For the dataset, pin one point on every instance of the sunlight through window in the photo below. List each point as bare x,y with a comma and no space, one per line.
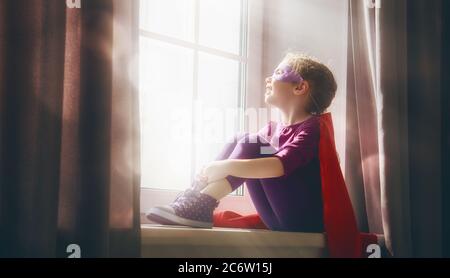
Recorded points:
192,57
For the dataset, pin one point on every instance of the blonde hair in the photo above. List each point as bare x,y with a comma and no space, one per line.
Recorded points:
320,78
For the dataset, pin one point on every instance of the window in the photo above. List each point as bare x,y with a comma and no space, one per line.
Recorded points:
211,56
193,66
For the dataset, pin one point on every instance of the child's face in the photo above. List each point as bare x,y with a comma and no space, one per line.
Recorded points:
280,87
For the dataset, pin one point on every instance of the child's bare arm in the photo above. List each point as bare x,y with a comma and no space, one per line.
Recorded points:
259,168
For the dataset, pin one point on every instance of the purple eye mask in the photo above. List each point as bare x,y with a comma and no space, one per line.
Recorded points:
286,73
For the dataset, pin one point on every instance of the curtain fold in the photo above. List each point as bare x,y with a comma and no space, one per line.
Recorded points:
30,156
395,172
69,129
445,106
425,80
362,150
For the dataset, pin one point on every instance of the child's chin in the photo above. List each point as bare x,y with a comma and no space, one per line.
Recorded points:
269,100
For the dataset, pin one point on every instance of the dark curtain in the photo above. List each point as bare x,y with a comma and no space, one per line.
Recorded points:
425,117
68,129
445,106
398,93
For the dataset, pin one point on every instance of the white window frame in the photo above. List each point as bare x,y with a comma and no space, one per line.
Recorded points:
251,81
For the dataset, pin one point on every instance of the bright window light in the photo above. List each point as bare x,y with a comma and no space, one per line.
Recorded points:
192,57
220,24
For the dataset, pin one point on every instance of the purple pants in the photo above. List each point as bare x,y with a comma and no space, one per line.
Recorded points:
288,203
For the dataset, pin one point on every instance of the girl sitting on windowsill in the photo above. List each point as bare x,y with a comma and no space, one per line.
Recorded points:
279,164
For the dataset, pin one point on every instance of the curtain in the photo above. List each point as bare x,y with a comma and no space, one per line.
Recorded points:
397,123
425,118
445,106
362,152
69,123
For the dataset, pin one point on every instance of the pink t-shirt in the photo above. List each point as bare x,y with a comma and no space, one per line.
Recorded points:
297,194
296,145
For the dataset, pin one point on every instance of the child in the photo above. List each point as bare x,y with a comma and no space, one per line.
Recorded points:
279,164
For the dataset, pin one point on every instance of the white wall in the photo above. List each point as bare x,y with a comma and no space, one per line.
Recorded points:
318,28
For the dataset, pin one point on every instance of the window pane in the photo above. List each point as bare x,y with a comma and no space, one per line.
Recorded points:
220,24
166,82
174,18
218,86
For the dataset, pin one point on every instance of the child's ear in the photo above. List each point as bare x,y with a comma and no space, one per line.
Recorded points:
301,88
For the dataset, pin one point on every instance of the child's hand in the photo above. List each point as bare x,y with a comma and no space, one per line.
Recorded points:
201,181
215,171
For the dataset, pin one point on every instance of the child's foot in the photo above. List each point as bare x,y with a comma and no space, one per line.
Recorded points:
192,208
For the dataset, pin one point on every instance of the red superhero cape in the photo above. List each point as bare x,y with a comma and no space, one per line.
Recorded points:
343,237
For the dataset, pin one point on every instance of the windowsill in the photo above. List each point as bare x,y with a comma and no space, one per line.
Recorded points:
153,197
183,242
